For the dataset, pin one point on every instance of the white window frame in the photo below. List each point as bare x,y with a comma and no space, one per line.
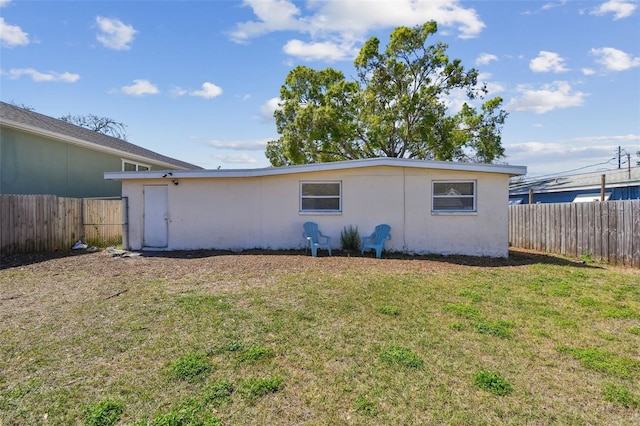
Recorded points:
474,197
321,211
135,163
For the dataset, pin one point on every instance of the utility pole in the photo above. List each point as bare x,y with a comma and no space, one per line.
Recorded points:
619,155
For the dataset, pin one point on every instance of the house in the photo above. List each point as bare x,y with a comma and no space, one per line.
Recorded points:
431,206
619,184
44,155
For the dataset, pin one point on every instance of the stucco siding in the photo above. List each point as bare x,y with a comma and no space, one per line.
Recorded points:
264,212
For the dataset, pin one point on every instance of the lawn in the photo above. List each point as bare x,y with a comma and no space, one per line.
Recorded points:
286,339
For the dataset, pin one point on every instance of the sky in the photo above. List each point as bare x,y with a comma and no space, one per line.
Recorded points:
199,80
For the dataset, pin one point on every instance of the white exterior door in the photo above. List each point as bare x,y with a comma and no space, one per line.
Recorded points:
156,216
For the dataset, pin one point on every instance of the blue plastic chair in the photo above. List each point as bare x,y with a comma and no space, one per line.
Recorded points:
377,239
313,237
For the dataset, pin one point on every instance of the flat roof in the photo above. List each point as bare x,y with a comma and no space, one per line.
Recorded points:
319,167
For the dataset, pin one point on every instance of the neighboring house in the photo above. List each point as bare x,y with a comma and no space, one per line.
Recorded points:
619,184
431,206
44,155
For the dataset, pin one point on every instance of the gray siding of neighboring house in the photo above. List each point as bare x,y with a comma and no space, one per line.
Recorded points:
33,164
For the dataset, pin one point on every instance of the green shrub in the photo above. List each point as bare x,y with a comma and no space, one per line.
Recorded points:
492,382
104,413
350,238
192,367
404,357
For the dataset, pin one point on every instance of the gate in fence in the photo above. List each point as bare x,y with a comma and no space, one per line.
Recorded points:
47,223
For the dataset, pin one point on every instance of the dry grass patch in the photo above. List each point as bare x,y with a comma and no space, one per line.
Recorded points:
281,338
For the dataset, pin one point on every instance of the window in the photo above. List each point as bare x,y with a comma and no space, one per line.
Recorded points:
320,196
130,166
586,198
454,196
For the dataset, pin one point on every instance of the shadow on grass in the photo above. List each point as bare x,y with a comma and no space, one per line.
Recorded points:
23,259
516,257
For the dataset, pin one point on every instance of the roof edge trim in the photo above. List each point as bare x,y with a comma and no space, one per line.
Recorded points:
317,167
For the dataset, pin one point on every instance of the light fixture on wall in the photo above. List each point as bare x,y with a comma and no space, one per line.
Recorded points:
175,181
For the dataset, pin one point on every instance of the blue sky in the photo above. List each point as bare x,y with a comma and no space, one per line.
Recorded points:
199,80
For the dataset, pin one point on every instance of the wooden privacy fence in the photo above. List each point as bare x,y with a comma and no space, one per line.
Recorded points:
46,223
606,231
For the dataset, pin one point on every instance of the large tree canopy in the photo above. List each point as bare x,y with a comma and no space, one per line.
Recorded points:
396,108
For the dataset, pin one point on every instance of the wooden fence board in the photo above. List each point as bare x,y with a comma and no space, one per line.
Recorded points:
45,223
607,231
635,237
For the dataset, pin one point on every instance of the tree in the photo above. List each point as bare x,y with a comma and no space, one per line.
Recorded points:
104,125
394,109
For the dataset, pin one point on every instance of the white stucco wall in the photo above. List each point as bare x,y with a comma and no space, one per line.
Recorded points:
263,212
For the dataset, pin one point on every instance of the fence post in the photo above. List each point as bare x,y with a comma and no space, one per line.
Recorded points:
609,230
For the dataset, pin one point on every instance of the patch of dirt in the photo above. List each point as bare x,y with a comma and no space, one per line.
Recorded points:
178,264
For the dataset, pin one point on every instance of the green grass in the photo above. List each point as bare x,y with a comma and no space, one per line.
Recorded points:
492,382
286,339
401,356
192,367
104,413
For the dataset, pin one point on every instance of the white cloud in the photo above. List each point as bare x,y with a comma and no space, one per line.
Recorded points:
236,158
3,3
313,51
179,91
575,155
37,76
620,9
273,15
12,35
140,88
114,33
549,6
238,145
494,87
268,108
341,25
588,71
547,62
557,95
614,59
209,91
485,58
